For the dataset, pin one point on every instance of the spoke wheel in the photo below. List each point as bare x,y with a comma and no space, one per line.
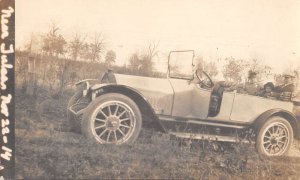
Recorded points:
112,119
113,122
275,137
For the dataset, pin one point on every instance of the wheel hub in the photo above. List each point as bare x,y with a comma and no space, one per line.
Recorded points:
273,141
112,123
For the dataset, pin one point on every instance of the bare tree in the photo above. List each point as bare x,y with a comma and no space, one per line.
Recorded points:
53,42
54,46
152,50
110,58
142,64
96,48
147,59
135,63
76,46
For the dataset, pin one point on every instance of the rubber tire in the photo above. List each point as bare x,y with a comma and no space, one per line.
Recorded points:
87,116
259,143
74,123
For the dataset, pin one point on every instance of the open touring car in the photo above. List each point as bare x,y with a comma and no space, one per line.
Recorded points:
186,104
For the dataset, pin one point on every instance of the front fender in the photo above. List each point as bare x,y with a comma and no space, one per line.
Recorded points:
84,85
85,80
295,123
109,87
142,102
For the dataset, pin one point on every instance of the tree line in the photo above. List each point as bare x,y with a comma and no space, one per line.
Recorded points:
65,61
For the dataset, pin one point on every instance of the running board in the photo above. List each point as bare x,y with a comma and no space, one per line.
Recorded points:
208,137
199,122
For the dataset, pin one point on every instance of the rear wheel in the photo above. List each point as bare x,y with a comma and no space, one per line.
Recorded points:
275,137
112,119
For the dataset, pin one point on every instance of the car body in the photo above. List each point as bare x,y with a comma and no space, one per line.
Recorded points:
186,106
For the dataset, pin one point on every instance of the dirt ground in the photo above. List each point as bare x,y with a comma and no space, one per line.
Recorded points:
46,149
295,150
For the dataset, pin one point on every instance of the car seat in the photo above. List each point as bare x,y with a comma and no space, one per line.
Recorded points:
216,100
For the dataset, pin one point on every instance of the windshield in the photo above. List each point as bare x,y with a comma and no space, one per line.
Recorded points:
181,64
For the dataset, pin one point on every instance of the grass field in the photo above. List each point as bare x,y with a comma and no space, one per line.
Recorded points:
46,149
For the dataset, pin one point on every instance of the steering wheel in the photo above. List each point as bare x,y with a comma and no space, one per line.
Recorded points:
207,84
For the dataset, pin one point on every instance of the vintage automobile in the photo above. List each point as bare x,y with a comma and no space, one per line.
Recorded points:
186,104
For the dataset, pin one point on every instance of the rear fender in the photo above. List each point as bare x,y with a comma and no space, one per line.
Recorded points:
295,123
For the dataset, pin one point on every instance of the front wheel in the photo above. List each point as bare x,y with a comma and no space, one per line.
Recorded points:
112,119
275,137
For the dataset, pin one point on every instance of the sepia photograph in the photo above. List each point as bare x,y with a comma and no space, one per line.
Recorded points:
141,89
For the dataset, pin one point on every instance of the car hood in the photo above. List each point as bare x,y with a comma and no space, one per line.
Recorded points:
144,83
158,91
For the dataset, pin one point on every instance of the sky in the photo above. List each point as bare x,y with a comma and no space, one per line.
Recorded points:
267,30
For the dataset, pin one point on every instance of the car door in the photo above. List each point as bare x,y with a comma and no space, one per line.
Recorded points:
190,100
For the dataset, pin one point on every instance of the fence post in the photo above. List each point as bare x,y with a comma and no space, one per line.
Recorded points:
31,80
